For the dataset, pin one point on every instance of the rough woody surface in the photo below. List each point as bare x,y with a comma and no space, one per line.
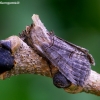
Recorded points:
28,60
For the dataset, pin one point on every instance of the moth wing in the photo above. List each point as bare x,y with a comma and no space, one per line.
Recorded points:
74,65
58,62
91,59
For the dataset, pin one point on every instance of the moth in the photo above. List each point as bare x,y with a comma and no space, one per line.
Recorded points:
72,61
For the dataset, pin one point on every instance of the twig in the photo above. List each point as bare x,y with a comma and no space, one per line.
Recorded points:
27,60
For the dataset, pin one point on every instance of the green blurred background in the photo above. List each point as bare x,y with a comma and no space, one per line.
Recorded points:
77,21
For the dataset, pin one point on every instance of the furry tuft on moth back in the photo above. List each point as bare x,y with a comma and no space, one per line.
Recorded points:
72,61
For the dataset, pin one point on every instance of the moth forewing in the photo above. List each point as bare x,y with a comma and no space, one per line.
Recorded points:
84,50
72,61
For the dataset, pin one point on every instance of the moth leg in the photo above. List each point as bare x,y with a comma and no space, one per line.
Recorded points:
60,80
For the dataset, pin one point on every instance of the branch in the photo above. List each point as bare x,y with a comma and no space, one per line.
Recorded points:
28,60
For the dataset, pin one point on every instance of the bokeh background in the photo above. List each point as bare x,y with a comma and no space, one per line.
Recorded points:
77,21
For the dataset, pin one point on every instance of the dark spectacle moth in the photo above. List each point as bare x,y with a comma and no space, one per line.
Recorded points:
73,62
